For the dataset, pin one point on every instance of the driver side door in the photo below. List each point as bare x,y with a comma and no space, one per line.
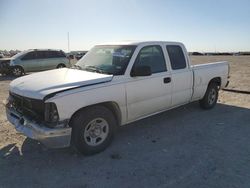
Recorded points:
149,94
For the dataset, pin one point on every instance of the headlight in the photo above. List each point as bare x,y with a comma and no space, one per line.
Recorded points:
12,62
51,113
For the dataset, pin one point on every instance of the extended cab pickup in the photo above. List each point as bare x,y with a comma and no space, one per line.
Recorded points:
111,85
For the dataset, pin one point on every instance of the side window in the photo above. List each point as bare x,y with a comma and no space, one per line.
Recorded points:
41,55
46,54
60,54
29,56
51,54
55,54
153,57
176,56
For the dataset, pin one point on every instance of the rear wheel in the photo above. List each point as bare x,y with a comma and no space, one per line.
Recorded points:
211,96
60,66
17,71
93,130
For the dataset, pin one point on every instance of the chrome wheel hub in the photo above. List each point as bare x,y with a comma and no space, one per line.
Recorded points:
211,96
96,131
17,71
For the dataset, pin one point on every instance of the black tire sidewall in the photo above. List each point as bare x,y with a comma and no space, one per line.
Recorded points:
204,102
60,66
81,120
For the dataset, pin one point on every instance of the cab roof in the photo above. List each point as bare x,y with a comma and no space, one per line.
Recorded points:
141,43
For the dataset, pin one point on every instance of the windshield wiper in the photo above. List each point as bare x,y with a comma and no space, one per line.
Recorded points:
94,69
76,67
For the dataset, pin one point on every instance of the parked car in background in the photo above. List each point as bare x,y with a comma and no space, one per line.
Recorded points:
38,60
80,55
5,66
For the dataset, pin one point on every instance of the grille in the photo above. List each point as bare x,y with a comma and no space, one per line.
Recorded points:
4,64
32,108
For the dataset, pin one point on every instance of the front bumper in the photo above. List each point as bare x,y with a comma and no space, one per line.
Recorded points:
5,69
51,137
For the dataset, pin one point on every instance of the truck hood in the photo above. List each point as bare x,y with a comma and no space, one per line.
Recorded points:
38,85
5,59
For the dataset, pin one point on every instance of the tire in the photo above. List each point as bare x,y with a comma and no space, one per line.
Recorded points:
17,71
211,96
3,73
60,66
92,130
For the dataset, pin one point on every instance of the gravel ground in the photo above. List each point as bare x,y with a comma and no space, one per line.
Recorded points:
200,149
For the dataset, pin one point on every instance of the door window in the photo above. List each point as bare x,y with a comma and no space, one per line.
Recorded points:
60,54
41,54
55,54
151,56
29,56
51,54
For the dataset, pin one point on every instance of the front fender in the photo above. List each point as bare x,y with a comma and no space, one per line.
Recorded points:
69,102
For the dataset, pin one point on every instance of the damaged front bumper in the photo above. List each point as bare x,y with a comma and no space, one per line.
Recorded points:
51,137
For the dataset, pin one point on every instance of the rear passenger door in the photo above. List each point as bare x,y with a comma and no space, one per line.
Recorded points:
48,61
149,94
53,59
41,58
182,76
30,62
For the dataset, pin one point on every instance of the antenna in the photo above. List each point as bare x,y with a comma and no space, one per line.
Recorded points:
68,41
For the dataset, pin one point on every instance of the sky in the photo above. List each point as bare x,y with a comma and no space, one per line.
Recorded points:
205,26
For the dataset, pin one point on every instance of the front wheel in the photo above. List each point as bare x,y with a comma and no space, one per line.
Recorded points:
60,66
93,130
211,96
17,71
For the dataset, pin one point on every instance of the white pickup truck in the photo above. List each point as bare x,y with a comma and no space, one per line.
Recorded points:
112,85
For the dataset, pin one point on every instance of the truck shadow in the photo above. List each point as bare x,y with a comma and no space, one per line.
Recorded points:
167,148
7,77
10,77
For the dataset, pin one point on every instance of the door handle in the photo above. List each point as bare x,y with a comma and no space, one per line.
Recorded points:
167,80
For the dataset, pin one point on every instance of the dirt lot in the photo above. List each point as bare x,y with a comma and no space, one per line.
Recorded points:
184,147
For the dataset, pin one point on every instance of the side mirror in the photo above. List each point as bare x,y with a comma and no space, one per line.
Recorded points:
141,71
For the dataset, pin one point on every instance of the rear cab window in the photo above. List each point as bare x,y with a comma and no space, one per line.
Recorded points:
177,57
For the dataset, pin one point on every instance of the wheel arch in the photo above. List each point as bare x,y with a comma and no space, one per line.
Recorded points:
63,64
19,66
111,105
216,80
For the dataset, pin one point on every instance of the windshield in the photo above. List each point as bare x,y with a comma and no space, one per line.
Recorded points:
19,54
111,59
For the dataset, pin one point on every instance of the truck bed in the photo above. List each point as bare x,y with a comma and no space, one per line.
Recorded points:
203,73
